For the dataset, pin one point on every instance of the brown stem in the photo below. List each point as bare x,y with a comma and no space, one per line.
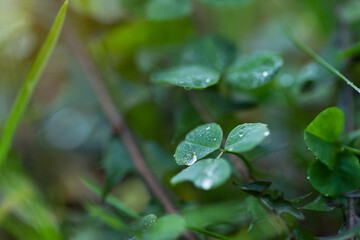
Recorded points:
205,116
115,119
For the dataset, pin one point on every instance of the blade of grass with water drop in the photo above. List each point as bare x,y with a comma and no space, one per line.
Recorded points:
302,46
30,83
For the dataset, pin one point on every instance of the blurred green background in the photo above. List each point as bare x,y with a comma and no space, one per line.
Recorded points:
64,135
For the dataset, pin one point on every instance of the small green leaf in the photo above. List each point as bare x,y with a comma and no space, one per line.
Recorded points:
319,204
324,151
206,174
161,10
145,223
197,77
246,136
255,188
199,143
328,125
166,228
298,200
253,71
281,205
116,163
211,51
344,177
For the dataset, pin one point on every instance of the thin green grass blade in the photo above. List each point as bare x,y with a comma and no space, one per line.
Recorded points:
350,52
319,59
30,83
110,199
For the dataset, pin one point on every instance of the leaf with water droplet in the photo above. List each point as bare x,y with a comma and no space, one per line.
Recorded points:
194,76
206,174
344,177
322,134
168,227
250,72
199,143
246,136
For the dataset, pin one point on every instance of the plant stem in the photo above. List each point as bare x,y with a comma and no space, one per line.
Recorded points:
116,120
220,154
206,232
320,60
31,81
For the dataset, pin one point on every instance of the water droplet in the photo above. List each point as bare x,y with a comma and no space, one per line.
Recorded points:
174,155
206,184
207,128
267,133
214,139
191,160
207,80
241,135
308,148
308,178
265,74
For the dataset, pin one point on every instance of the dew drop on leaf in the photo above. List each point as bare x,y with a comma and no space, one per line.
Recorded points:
267,133
191,160
206,184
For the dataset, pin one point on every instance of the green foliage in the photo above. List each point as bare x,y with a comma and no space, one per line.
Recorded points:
319,204
30,83
246,136
344,177
250,72
197,77
167,228
206,174
198,143
167,9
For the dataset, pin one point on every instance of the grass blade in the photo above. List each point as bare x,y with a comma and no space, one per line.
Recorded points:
320,60
30,83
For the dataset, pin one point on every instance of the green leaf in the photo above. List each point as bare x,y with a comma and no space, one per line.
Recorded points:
116,163
281,205
246,136
298,200
255,188
160,10
197,77
322,134
319,204
344,177
30,83
251,72
324,151
166,228
211,51
198,143
206,174
146,222
328,125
